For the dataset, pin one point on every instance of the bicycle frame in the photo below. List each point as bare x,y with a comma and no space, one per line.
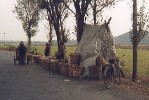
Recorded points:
111,74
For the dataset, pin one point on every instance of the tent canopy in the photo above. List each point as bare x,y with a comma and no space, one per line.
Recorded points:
97,40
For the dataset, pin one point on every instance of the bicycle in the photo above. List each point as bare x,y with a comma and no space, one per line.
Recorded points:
112,73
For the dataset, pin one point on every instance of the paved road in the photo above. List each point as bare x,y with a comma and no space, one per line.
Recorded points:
32,82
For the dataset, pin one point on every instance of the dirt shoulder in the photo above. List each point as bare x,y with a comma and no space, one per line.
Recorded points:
32,82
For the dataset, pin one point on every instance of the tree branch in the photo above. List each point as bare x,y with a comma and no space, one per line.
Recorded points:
69,8
104,6
107,23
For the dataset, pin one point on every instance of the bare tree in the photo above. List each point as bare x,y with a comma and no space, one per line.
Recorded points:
81,7
81,10
97,7
50,35
140,30
28,13
57,14
49,29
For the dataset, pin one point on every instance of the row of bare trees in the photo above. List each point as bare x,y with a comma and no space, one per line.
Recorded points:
57,11
28,12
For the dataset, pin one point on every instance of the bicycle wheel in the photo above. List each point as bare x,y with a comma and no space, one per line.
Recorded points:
117,76
108,77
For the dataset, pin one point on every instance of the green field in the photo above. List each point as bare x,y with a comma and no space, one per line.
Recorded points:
69,49
143,55
143,69
143,63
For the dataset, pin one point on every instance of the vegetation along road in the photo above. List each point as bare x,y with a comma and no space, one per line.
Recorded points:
32,82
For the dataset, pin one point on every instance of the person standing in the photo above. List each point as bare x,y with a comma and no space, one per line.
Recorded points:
22,53
47,50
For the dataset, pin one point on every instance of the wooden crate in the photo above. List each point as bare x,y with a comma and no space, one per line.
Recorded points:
75,58
60,64
54,66
48,65
43,62
29,57
36,58
75,70
64,69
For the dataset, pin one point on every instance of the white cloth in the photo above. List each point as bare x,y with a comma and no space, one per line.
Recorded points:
95,41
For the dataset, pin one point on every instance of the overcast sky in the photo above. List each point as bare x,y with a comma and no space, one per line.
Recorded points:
120,23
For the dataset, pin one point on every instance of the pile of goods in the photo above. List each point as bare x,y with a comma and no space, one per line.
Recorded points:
72,69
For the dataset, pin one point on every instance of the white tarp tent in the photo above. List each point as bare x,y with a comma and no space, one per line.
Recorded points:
96,40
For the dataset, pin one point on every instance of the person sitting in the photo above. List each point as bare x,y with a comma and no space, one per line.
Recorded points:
22,53
47,50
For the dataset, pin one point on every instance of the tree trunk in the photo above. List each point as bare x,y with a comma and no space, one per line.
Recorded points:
135,44
94,12
58,38
50,34
80,26
29,44
50,43
50,40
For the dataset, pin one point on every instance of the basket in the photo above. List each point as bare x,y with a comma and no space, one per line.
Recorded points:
60,64
47,65
100,61
94,72
75,71
36,58
75,58
43,62
29,57
54,66
64,69
46,62
50,57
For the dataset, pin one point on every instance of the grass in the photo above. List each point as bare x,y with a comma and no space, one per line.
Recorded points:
143,69
69,49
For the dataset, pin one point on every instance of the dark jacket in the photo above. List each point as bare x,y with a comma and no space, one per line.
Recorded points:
46,52
22,50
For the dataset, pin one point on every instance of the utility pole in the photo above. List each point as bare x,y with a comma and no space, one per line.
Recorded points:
135,41
4,39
